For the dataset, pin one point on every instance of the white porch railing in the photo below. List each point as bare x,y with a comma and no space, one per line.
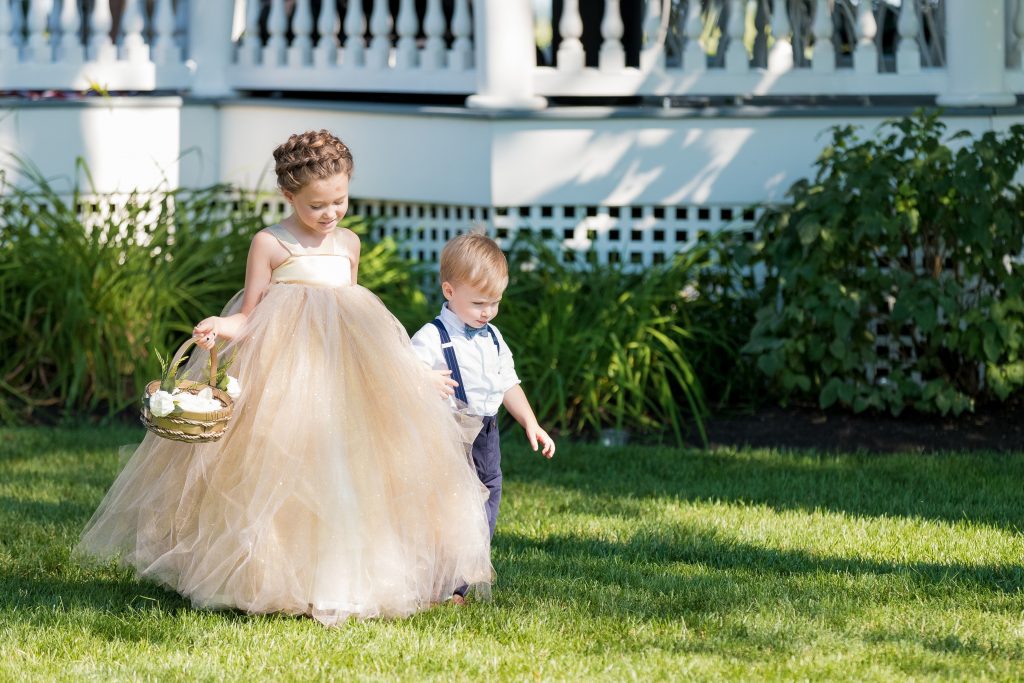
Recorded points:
123,45
961,51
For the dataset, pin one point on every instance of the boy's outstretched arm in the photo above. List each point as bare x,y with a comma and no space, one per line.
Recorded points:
518,406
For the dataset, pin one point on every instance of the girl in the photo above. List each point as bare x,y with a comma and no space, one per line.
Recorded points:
342,487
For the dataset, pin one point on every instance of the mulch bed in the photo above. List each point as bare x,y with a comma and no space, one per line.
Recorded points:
990,428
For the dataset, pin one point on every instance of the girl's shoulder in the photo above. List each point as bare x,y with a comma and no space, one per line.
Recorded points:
348,239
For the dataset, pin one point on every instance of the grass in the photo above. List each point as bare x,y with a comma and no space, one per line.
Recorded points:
613,564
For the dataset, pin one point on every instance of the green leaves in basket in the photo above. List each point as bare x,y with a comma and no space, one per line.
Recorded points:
221,380
169,375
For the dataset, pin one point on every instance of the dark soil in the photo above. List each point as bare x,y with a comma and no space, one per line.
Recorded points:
990,428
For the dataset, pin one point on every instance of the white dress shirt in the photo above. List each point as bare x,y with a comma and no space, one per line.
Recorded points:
487,373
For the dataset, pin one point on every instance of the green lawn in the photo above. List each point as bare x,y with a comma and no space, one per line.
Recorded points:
613,564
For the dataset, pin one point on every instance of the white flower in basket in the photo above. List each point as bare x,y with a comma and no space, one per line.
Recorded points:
161,404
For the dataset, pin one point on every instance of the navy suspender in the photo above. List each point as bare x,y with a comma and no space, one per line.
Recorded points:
452,362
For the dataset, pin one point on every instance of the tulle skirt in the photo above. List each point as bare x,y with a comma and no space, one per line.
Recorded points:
342,488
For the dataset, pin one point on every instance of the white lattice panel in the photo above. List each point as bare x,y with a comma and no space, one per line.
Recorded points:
634,235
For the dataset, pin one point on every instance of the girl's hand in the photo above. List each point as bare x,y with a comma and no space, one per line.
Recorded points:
537,435
205,333
443,383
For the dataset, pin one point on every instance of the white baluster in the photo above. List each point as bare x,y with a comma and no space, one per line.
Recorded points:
377,56
38,49
653,53
908,52
181,26
8,48
300,53
165,50
69,49
17,27
433,26
250,47
570,50
780,57
327,24
461,56
277,23
134,48
1018,33
865,56
736,59
823,59
355,27
612,55
101,47
694,58
406,54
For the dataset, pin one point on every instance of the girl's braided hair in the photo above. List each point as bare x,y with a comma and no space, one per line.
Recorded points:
309,156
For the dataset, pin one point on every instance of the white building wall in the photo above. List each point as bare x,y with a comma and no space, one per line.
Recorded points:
632,184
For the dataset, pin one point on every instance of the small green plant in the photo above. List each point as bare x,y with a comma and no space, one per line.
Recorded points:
894,276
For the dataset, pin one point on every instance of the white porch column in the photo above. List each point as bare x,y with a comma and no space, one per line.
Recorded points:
976,54
505,56
210,46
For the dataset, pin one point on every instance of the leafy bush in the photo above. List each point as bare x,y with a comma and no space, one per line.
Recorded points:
894,276
601,346
722,302
90,286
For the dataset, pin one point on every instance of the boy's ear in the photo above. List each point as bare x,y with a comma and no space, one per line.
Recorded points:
447,290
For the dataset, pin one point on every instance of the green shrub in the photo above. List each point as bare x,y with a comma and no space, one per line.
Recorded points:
905,240
602,347
86,296
721,306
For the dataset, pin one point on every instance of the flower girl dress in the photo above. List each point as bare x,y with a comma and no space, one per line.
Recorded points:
342,487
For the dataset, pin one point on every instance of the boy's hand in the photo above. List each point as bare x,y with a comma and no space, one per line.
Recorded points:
536,435
443,382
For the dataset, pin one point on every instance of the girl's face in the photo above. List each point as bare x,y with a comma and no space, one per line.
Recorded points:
474,306
320,204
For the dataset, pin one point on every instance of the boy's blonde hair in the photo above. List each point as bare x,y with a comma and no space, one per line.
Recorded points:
474,259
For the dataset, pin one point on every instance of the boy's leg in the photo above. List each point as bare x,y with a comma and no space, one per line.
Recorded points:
487,460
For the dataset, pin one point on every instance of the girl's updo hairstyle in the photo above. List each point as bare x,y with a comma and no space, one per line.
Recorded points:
313,155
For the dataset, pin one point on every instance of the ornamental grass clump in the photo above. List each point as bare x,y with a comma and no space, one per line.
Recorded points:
608,347
894,276
89,285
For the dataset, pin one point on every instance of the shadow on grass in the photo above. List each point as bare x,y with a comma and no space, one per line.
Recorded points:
664,575
976,488
115,609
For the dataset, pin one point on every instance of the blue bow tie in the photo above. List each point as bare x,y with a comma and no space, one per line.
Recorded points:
473,331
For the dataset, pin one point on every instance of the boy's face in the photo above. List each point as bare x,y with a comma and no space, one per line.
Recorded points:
474,306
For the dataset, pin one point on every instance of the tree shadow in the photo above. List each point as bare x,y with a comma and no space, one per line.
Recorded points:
951,488
644,576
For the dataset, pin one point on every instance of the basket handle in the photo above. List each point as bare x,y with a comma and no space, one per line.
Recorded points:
181,352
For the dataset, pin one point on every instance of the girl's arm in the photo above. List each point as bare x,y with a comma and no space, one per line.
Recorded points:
257,278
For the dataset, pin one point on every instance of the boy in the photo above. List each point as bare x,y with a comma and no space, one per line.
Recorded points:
474,274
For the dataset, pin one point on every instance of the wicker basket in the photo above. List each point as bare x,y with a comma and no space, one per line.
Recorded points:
190,427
